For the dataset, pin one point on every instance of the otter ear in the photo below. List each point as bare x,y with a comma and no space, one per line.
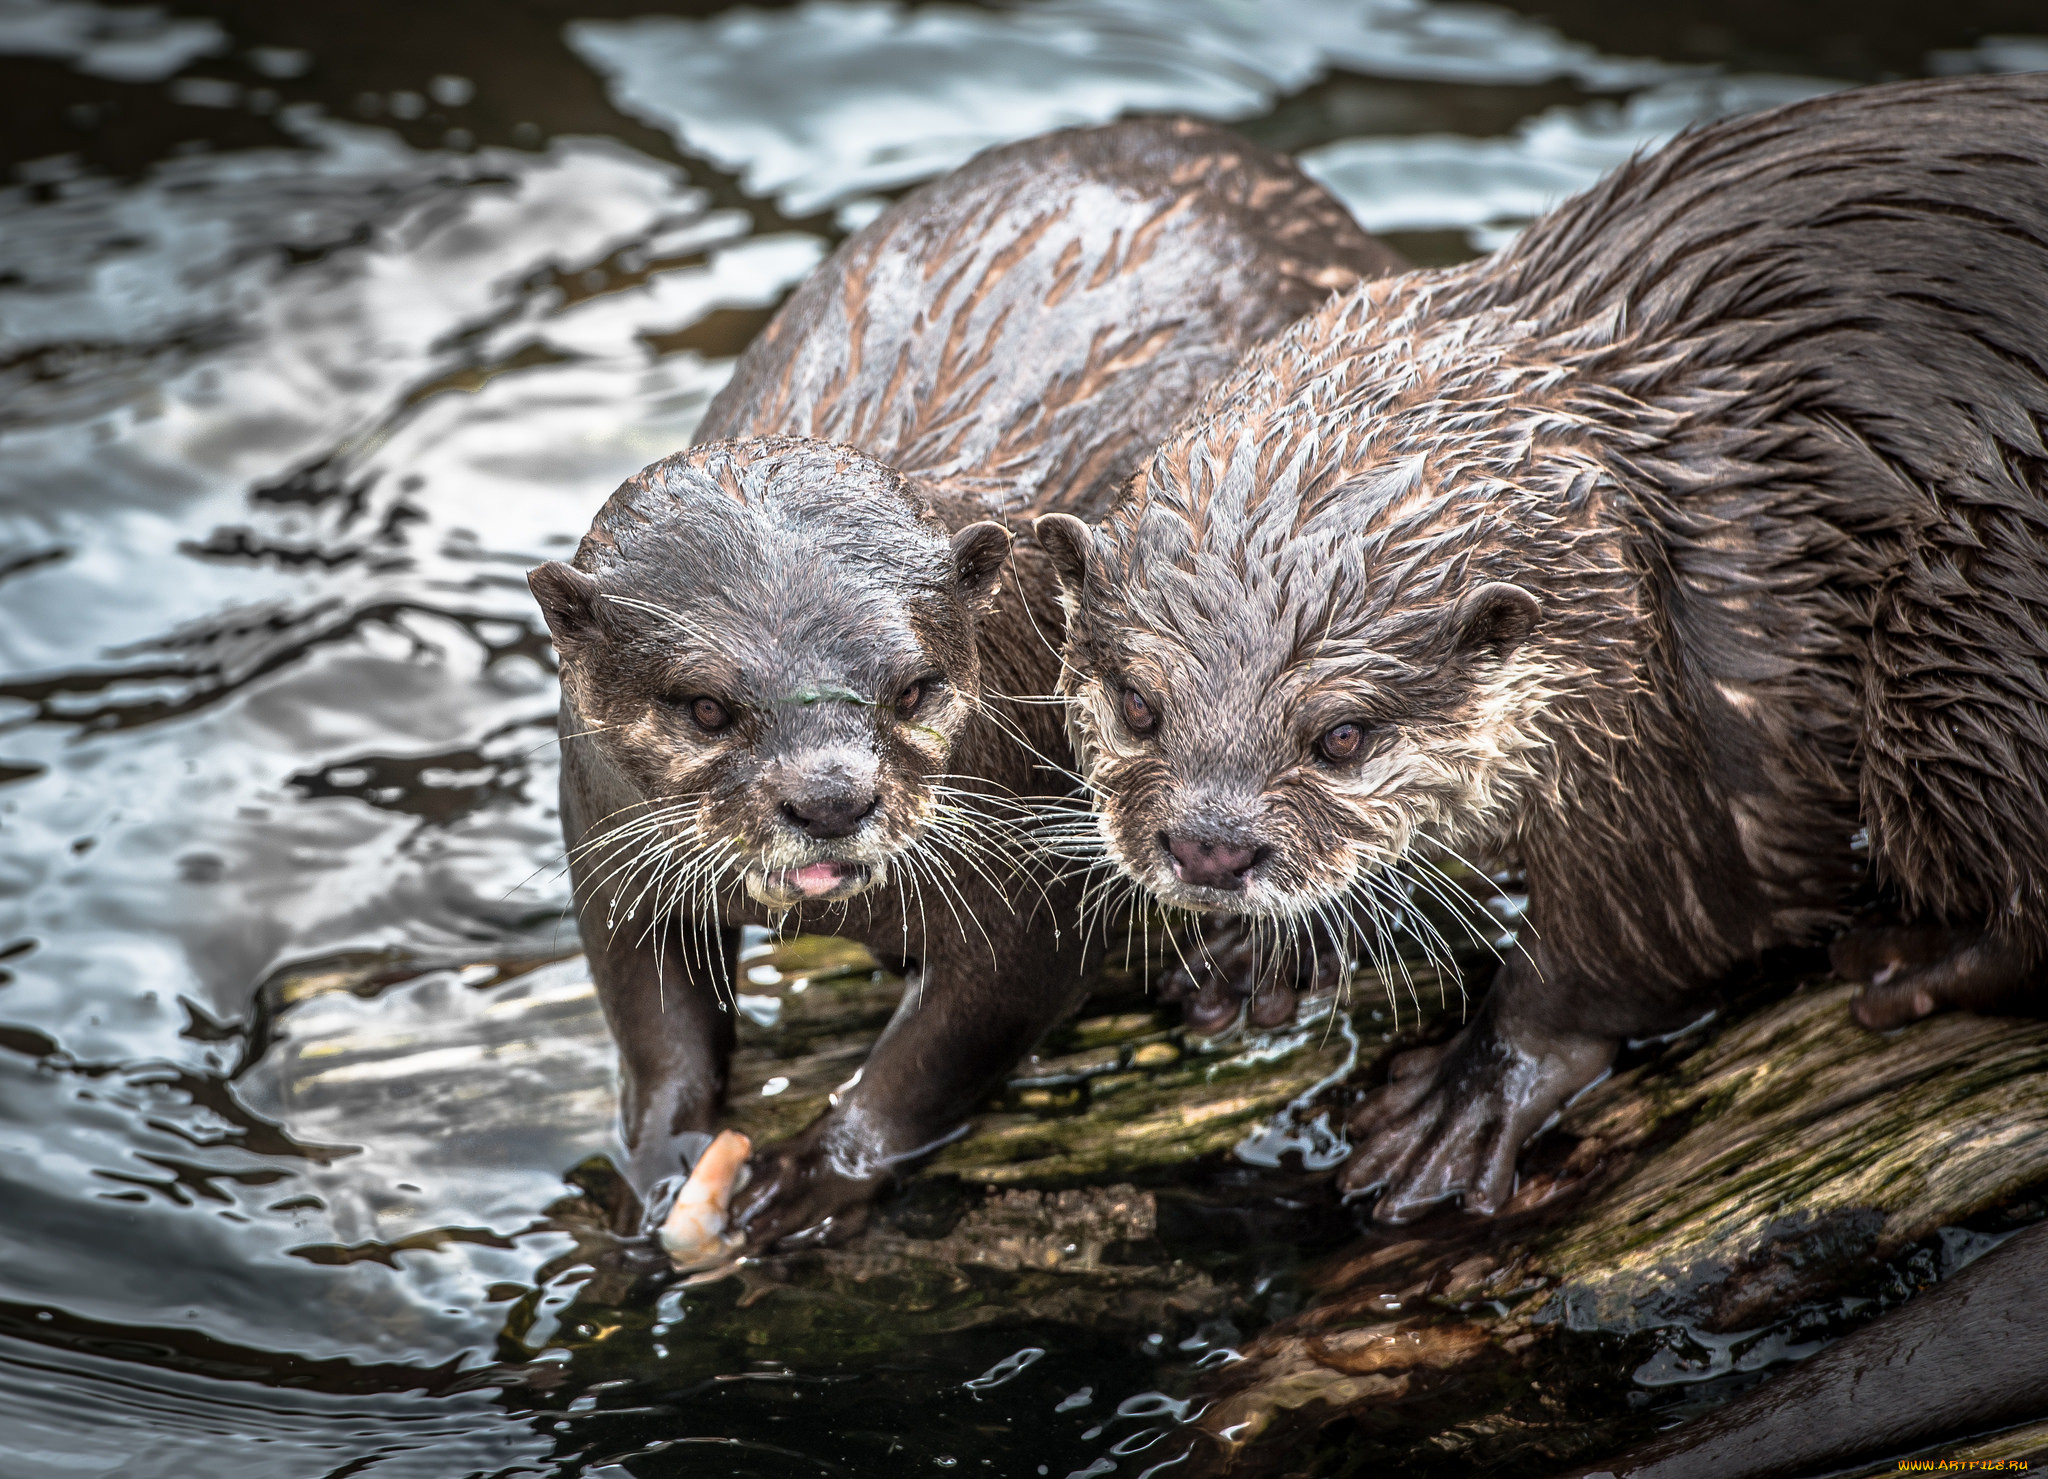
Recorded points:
568,599
978,554
1067,542
1495,619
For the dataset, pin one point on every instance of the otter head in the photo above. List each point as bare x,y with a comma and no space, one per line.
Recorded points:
1280,684
770,647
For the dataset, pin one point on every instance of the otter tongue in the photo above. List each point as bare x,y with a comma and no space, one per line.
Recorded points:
818,878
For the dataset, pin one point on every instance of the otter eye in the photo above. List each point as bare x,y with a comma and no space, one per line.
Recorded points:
912,698
710,714
1342,741
1138,714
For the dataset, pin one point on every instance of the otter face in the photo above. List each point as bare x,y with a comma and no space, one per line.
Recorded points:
1268,732
769,646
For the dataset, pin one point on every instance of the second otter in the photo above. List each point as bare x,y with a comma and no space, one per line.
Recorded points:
1689,550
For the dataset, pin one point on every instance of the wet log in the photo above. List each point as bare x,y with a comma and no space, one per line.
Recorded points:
474,1079
1120,1091
1968,1355
1725,1203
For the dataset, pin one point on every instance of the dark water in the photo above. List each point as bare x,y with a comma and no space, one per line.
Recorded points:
319,324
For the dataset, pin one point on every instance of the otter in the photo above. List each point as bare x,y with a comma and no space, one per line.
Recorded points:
1691,551
789,656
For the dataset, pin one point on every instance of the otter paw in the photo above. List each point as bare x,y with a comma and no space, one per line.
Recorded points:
1225,976
1450,1121
1911,971
797,1196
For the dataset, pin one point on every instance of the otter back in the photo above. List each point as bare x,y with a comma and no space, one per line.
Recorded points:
1026,329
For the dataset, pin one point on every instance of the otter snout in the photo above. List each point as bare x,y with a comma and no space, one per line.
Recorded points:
835,814
824,797
1211,862
824,794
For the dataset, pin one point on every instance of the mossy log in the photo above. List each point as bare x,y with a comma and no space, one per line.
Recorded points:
1730,1200
1120,1091
465,1067
1724,1201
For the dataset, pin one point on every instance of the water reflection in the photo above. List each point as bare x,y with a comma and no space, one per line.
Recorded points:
294,1048
818,104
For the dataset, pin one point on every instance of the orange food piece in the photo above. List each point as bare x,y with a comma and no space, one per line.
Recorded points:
694,1232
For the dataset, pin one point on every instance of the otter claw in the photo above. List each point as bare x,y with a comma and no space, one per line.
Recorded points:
1912,971
1227,978
1450,1121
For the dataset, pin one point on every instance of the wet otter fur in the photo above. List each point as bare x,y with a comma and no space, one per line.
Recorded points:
786,652
1675,551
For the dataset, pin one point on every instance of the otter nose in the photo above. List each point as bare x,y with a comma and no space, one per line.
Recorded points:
1209,863
837,815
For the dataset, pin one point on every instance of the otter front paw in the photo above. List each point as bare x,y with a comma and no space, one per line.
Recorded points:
798,1194
1910,971
1451,1120
1233,968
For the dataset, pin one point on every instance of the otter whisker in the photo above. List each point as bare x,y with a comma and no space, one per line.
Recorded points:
980,858
1463,908
697,888
1480,925
1459,858
672,867
1119,899
679,866
674,618
666,799
1419,928
1002,808
1337,929
559,738
909,873
1096,893
561,859
1016,735
989,813
1397,910
963,818
1069,836
614,837
1384,962
667,855
612,867
948,890
1030,616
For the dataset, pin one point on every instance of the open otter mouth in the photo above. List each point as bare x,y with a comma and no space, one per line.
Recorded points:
813,883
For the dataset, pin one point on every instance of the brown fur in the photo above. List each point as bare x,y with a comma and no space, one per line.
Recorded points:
1664,551
1008,341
